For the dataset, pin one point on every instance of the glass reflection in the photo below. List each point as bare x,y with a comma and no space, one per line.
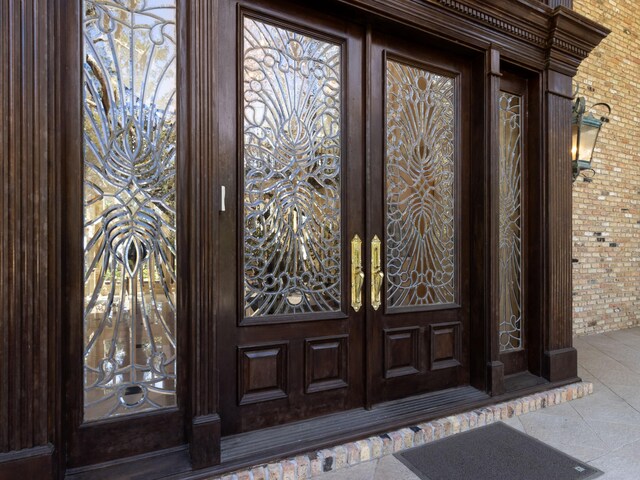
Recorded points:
292,156
129,206
510,240
420,181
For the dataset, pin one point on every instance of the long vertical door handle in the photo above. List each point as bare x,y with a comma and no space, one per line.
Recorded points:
357,274
376,273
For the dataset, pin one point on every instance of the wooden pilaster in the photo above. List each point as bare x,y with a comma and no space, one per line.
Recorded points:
201,234
28,312
495,368
563,58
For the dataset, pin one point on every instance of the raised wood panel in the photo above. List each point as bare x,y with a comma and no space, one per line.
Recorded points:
262,373
28,316
326,363
401,352
446,345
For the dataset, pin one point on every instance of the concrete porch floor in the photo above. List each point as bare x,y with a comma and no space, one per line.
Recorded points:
602,429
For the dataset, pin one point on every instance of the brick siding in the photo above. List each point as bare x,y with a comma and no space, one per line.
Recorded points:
606,210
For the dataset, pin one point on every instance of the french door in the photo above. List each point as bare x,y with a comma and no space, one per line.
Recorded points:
292,172
419,209
344,219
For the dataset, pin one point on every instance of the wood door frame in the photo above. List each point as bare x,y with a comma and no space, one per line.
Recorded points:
526,83
516,361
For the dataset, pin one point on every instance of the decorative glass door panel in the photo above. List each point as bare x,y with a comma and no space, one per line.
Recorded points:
510,222
292,86
514,308
420,187
129,207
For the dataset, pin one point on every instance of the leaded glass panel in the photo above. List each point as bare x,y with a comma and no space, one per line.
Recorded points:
129,127
510,222
420,183
292,167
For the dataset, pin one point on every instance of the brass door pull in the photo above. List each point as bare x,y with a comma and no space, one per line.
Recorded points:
357,274
376,273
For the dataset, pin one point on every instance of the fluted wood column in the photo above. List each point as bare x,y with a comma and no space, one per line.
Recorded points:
28,310
562,60
200,292
560,357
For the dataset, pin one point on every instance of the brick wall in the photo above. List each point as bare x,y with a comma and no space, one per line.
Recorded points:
606,211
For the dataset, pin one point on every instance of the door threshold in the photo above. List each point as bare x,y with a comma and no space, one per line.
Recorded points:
320,432
522,380
270,444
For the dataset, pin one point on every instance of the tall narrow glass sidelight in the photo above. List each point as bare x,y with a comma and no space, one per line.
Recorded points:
129,128
510,222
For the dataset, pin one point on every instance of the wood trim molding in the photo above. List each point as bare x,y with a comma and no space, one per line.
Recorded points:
530,33
559,361
560,364
204,445
571,38
495,369
35,462
560,3
507,22
558,203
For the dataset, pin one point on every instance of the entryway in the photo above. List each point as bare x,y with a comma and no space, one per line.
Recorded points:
346,215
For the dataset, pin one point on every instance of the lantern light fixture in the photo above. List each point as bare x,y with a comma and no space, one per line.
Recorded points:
585,128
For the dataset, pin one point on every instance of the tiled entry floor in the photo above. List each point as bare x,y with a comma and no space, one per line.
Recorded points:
602,429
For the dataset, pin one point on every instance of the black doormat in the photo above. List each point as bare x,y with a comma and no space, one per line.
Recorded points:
496,451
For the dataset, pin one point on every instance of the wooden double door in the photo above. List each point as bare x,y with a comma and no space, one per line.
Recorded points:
345,229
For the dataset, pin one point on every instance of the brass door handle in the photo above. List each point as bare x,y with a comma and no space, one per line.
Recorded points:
357,274
376,273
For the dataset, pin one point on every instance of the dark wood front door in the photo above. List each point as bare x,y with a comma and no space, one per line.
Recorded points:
290,341
419,213
321,152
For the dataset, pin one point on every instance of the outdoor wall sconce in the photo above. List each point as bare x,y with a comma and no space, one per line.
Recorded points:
584,132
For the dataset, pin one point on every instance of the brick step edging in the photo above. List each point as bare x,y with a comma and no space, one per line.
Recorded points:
314,464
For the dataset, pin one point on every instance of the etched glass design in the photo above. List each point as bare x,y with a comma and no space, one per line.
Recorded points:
292,155
129,128
420,182
510,222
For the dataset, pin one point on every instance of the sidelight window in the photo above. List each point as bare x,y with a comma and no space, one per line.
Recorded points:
129,127
510,222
